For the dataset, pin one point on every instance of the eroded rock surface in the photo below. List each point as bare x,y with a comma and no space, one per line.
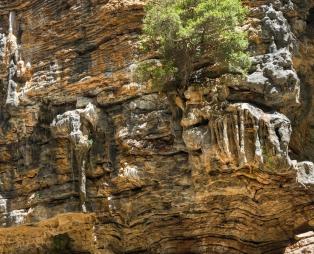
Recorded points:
92,161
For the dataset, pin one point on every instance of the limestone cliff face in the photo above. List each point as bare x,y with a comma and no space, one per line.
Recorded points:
92,161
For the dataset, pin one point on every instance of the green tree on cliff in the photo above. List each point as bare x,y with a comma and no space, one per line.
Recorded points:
190,34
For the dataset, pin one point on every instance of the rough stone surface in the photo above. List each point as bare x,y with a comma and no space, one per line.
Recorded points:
92,161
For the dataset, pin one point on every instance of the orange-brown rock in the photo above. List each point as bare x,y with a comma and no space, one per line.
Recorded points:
93,161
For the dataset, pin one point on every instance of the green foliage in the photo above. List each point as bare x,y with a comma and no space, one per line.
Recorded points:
190,33
158,73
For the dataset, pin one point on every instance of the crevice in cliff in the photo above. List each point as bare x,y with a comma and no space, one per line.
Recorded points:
255,99
310,23
111,147
176,114
302,144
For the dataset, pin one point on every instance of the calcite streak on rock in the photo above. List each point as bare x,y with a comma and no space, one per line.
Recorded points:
17,74
11,21
242,158
236,134
225,137
258,149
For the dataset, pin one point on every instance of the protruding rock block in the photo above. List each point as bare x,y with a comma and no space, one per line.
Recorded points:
243,134
305,173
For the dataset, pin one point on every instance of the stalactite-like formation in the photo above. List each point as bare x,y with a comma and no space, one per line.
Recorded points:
252,144
69,125
18,73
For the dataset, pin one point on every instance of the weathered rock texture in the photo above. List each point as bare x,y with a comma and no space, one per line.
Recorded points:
92,161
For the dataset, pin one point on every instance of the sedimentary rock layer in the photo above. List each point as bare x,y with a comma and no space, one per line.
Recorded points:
93,161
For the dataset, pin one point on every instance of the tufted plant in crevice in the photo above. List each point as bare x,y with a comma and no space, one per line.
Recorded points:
190,34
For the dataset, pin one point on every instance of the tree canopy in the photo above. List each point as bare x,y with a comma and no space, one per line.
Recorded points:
188,34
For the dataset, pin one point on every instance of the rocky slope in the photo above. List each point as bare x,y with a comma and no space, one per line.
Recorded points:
92,161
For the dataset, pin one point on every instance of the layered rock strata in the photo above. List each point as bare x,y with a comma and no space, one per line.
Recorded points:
92,161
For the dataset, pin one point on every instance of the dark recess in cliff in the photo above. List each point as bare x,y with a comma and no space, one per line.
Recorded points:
310,20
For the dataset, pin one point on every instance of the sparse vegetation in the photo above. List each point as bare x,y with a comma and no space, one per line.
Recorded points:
190,34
